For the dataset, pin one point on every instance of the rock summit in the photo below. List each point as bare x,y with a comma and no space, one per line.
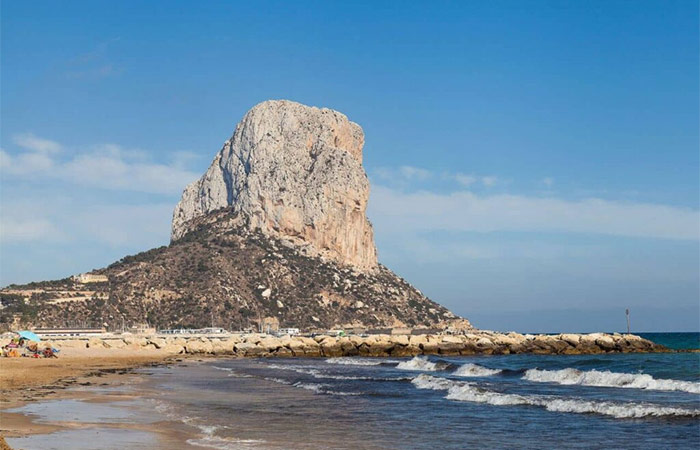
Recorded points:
293,172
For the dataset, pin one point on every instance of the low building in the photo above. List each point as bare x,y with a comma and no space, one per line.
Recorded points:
55,332
176,331
142,328
85,278
335,333
288,331
211,330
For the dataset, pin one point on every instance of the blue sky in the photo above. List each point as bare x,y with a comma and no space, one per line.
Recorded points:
534,165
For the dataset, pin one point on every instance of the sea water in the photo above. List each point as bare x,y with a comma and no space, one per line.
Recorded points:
510,401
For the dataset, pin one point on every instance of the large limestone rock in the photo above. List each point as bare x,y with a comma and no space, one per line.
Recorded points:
293,172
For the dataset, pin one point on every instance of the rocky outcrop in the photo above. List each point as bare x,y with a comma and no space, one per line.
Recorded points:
273,234
478,343
293,172
241,279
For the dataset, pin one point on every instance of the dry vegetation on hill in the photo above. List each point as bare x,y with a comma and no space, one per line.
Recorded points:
225,272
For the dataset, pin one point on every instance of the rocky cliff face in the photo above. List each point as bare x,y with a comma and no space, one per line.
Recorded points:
295,173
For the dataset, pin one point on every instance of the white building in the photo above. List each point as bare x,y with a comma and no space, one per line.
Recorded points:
90,278
288,331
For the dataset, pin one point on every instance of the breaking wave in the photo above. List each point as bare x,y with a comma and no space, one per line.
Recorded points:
317,388
475,370
421,363
209,439
322,389
207,433
609,379
424,381
468,392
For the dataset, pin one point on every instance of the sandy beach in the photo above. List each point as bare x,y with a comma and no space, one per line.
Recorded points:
84,364
27,380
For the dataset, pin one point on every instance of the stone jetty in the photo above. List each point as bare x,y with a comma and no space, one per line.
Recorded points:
478,343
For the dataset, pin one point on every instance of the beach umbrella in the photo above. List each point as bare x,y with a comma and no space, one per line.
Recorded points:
28,335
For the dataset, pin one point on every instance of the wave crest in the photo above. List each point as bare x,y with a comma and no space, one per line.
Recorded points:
606,378
475,370
420,363
469,392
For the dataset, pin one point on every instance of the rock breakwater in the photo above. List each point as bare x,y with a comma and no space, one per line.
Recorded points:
481,343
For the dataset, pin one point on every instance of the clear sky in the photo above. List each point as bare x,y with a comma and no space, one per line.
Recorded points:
534,164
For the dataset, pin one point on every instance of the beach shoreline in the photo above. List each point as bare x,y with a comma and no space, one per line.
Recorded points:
28,380
98,362
24,379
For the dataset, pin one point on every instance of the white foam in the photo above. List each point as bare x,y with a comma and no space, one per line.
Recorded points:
425,381
325,375
343,377
619,410
469,392
277,380
315,387
297,369
355,361
322,389
224,444
420,363
475,370
210,440
233,373
610,379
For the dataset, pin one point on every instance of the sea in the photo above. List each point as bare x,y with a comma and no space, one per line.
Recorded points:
609,401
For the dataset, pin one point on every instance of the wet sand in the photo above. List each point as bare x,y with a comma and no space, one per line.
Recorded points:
111,415
76,380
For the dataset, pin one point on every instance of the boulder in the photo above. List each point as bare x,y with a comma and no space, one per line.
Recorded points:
571,339
382,346
484,342
400,339
348,347
195,346
270,344
158,343
283,352
331,347
173,348
249,349
221,347
114,343
606,343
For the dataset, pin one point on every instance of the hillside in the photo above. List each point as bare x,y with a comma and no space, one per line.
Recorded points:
226,273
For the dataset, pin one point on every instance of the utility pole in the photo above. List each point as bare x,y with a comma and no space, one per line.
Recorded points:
627,312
